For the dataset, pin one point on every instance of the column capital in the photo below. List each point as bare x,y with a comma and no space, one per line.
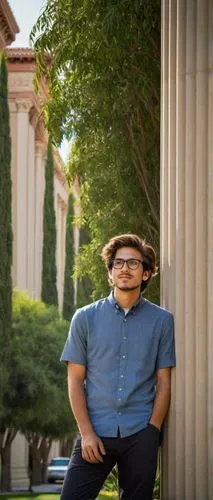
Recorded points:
23,105
12,106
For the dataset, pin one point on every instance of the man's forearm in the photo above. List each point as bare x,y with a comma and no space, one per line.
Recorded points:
78,404
161,404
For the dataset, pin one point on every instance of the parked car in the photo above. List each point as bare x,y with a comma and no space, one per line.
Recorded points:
57,469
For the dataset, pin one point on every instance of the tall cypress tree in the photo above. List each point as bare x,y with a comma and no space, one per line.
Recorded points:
84,286
68,302
49,293
5,225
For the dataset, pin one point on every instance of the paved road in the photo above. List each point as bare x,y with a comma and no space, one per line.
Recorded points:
47,488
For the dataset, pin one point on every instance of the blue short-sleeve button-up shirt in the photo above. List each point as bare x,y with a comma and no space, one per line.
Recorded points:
121,354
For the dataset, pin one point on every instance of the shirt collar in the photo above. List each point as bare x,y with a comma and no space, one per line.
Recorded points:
112,300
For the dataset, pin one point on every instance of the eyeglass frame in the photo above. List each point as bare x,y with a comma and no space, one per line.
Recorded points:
145,265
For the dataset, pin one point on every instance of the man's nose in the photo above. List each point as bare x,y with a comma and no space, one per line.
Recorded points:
125,265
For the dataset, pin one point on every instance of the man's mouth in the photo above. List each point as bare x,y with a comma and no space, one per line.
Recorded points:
125,276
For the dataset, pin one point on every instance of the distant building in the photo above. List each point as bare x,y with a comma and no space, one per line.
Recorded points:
8,25
29,148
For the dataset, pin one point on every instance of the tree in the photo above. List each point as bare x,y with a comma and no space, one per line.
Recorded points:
49,289
36,382
105,92
68,301
84,286
5,229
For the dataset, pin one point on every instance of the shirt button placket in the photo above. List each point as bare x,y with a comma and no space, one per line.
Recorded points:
121,382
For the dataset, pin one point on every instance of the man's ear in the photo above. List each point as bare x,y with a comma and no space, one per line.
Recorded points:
146,275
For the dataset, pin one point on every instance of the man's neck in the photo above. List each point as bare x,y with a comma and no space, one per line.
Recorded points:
126,299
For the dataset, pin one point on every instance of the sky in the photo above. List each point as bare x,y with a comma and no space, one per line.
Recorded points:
26,12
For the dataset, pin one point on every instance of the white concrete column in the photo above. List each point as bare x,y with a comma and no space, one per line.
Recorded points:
31,205
23,107
201,371
186,243
168,203
190,272
19,463
39,200
178,240
210,251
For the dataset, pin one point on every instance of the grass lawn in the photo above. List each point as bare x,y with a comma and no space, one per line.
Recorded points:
23,496
49,496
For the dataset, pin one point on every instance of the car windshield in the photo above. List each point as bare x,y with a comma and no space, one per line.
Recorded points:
59,461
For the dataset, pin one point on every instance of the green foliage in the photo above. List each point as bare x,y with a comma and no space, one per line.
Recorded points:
49,290
23,496
5,228
68,301
36,378
105,93
84,287
111,483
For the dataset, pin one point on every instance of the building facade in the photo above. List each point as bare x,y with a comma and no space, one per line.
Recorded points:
29,150
186,227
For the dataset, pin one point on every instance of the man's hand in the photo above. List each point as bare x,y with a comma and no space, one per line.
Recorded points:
92,448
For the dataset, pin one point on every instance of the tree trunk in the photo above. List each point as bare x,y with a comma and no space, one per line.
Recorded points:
66,446
35,464
44,450
6,468
36,472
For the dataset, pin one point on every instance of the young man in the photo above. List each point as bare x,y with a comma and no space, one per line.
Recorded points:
119,351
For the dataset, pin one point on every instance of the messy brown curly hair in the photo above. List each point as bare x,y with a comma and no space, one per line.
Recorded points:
133,241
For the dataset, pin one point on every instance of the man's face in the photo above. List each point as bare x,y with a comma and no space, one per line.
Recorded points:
128,279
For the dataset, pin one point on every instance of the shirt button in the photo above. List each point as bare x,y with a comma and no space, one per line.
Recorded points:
125,320
124,338
119,399
124,357
122,376
120,389
119,413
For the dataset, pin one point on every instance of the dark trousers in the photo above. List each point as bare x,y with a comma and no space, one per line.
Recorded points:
136,459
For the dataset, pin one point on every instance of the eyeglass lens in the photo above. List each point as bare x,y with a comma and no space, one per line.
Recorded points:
131,263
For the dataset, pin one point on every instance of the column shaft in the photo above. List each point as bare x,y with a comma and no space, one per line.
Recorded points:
21,195
186,242
179,232
31,213
210,251
190,131
201,236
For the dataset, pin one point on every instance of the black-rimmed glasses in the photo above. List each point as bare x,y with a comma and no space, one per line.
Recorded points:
131,263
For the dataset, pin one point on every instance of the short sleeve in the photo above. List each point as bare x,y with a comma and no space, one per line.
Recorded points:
75,348
166,350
